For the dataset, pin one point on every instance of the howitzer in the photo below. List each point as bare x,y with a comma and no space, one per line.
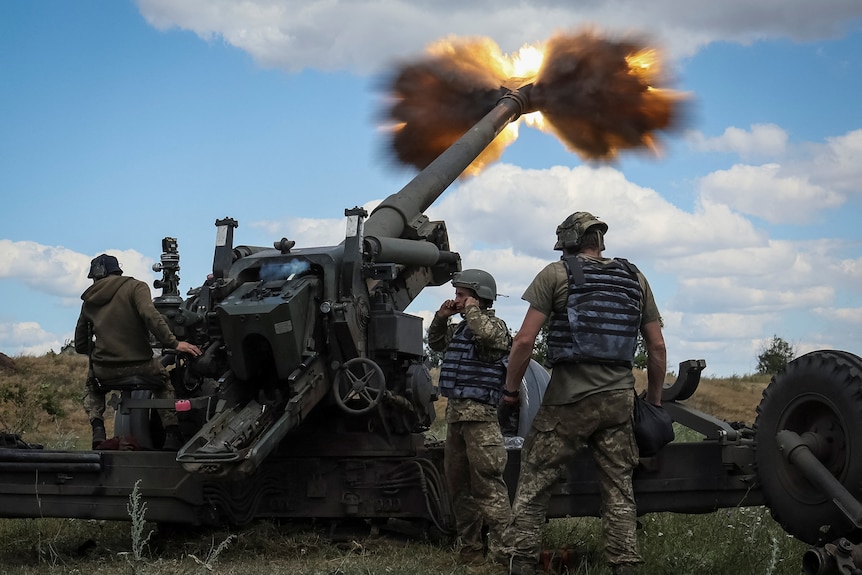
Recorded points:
286,329
311,396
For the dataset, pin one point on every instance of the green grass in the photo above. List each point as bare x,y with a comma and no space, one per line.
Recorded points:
733,541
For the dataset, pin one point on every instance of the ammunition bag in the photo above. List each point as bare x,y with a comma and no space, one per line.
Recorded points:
653,427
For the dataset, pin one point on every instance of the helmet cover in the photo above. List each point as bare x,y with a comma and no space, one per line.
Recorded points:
571,231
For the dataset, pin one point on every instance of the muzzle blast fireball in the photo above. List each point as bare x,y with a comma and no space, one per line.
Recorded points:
597,95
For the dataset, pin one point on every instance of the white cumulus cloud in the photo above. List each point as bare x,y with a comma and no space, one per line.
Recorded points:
59,271
766,192
763,140
362,35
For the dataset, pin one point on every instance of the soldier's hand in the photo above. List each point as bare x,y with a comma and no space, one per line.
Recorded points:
512,400
448,308
508,416
191,349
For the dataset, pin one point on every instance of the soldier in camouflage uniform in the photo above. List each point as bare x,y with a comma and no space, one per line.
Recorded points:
596,308
471,377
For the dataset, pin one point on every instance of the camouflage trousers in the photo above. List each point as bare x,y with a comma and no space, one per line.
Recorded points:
474,459
94,398
603,422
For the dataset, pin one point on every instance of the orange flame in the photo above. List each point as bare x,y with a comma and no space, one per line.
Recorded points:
596,95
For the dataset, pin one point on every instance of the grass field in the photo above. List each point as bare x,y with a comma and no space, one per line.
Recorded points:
40,398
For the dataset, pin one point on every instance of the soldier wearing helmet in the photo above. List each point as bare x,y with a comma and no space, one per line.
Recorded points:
471,378
114,326
596,307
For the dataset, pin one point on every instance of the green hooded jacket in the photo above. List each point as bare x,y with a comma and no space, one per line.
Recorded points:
122,314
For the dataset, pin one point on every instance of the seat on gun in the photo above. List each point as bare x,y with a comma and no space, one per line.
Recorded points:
131,383
135,417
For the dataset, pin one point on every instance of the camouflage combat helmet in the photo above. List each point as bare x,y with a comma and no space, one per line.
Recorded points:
479,281
571,232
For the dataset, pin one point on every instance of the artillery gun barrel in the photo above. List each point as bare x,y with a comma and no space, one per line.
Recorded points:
396,212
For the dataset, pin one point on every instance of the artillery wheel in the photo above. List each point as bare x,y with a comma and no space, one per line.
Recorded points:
359,385
819,392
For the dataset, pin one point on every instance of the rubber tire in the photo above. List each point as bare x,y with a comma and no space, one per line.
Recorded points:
819,392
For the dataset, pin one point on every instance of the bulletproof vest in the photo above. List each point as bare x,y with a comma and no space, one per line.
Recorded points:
602,316
463,375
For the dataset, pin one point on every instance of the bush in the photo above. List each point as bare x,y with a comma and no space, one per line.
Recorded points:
774,356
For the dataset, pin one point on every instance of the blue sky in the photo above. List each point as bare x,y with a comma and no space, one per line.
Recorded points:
124,122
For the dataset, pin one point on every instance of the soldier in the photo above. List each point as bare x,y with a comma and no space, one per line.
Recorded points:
471,377
596,307
119,313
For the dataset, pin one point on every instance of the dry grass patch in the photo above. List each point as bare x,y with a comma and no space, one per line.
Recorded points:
40,399
733,399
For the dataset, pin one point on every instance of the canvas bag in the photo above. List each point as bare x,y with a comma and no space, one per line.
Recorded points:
653,427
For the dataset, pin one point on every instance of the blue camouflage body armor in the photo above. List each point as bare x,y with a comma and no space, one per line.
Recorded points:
602,317
463,375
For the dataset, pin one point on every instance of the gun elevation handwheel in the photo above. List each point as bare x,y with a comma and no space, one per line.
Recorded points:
359,385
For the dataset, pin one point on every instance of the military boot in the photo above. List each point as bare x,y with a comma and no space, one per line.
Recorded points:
173,438
470,557
521,567
516,565
625,569
99,434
